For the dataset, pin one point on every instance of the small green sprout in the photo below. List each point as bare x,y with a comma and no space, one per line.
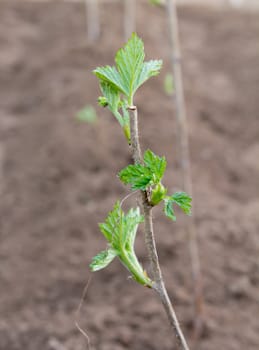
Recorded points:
102,101
120,231
119,84
140,177
158,194
182,199
149,176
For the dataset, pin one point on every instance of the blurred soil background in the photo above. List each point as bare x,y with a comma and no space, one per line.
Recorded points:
58,179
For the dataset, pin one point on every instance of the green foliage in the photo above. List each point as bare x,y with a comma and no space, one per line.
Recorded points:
149,175
111,76
142,176
87,114
120,231
169,84
138,176
158,194
169,210
131,71
103,259
102,101
119,84
111,96
129,61
155,164
182,199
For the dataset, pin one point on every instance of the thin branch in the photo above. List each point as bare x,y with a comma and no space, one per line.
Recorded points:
129,18
134,136
158,285
183,145
78,314
93,21
126,197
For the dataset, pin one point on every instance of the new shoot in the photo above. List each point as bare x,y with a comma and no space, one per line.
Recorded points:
119,85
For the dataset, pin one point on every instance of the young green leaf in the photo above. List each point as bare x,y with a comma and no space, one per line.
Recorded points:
155,164
120,231
111,94
110,75
129,61
138,176
131,222
123,227
103,259
169,210
131,71
142,176
129,74
109,227
182,199
111,98
149,69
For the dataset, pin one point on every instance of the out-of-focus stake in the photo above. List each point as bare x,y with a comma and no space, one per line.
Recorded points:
236,3
183,144
93,21
129,18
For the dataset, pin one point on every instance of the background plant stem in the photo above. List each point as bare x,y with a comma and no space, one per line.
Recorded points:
93,21
129,18
185,163
158,284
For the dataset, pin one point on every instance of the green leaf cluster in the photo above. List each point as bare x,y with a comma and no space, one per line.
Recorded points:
120,231
119,83
149,175
182,199
140,177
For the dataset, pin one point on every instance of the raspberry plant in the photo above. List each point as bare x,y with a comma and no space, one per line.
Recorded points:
118,86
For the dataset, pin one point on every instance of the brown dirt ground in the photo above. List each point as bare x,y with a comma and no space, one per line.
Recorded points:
58,180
